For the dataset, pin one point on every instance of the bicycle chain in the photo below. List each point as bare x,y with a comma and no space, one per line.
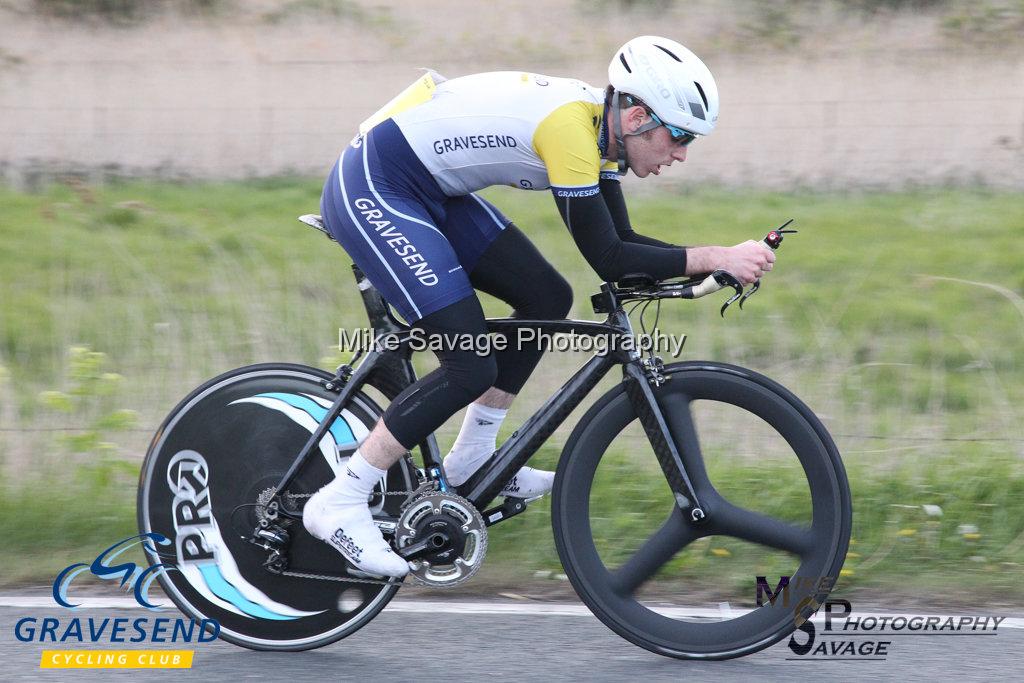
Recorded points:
379,493
271,514
344,579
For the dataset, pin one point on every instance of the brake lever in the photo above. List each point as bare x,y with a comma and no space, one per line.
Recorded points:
750,292
727,279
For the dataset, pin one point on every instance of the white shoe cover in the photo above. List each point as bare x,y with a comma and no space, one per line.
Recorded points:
351,531
529,483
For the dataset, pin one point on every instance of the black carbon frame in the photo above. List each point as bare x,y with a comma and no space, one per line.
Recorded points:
391,371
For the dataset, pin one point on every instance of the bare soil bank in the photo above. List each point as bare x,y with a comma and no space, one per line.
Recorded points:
883,105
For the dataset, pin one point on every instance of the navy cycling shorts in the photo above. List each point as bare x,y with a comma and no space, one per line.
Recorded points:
415,244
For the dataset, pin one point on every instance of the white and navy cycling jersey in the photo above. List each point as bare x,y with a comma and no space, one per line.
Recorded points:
401,200
510,128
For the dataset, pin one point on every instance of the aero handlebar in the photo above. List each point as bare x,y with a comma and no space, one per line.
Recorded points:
639,287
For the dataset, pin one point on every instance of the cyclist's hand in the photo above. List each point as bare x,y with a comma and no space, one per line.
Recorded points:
748,261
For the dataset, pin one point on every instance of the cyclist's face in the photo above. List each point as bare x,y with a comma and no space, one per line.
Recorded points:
650,151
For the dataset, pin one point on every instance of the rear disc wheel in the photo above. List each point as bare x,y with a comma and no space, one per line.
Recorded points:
211,465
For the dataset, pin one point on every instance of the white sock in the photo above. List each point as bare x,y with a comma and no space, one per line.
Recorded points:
475,444
354,485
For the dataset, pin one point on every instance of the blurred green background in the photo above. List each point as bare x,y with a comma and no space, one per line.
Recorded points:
896,313
904,336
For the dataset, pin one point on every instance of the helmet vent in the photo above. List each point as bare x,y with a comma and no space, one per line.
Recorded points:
668,52
622,58
702,95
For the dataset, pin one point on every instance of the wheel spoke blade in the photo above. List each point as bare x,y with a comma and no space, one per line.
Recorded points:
729,520
673,535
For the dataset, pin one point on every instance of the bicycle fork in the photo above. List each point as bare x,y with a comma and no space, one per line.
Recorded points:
645,403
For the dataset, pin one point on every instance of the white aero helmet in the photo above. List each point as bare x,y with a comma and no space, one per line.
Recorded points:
670,79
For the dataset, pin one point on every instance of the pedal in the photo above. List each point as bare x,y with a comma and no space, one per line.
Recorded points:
386,526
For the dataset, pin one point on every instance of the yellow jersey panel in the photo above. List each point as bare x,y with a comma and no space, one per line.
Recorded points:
509,128
566,142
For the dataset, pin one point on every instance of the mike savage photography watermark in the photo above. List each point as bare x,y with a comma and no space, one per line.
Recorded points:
363,339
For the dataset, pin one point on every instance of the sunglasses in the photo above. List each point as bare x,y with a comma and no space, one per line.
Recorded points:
679,136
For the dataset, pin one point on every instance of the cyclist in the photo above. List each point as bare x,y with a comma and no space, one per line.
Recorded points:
401,201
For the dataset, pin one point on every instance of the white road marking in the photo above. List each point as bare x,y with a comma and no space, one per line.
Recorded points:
496,608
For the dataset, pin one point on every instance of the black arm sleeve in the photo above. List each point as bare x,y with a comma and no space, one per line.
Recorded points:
590,224
611,190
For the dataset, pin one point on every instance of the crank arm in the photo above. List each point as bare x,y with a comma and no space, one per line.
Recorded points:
431,544
510,508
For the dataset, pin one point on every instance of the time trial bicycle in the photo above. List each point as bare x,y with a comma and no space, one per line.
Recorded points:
228,471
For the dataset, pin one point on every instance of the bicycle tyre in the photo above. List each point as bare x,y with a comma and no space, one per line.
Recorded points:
240,432
596,584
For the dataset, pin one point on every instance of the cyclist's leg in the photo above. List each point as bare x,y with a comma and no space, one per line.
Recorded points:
386,223
505,264
463,375
338,513
513,270
388,230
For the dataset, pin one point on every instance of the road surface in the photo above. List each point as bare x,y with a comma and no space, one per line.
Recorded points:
433,640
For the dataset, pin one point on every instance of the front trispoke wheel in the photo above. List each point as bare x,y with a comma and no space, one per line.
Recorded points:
774,490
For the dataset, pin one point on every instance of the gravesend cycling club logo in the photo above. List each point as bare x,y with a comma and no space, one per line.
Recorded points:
856,638
109,565
131,575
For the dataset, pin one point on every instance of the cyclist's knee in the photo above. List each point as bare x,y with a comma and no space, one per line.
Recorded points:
470,373
560,297
553,298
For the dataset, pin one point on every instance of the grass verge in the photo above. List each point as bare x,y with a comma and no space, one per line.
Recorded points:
898,318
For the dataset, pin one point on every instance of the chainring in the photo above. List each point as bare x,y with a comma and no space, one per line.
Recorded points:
436,509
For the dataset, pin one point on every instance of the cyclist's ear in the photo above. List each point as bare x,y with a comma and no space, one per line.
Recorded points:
633,117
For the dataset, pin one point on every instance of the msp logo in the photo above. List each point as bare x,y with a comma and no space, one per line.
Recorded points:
862,638
132,576
109,566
